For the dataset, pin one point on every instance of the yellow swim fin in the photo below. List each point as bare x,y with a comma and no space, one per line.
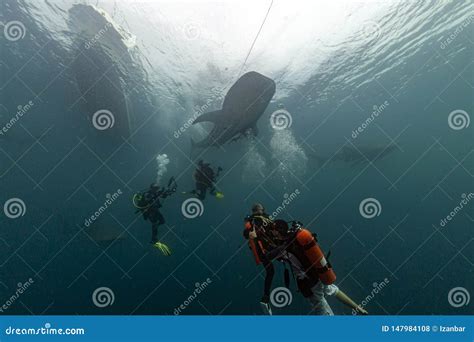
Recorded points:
163,248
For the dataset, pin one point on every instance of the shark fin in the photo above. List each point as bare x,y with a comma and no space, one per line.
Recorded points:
214,117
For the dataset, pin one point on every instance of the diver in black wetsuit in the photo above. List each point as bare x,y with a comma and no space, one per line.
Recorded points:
205,179
257,225
148,203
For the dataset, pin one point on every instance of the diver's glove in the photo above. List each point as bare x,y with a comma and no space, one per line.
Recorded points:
163,248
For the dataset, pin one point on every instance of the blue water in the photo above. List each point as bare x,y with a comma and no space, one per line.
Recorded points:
154,68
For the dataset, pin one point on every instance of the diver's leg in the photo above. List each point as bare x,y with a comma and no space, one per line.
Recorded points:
201,193
269,273
161,218
212,189
345,299
158,220
154,232
319,302
268,280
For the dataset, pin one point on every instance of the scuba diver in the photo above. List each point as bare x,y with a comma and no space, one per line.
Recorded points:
148,203
298,247
205,179
257,226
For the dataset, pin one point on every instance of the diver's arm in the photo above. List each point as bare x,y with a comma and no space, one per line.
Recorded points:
248,227
252,234
166,193
275,252
345,299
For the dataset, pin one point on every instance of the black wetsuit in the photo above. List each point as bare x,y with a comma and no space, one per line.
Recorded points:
205,178
266,257
152,212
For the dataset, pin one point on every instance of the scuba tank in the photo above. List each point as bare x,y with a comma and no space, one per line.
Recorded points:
313,253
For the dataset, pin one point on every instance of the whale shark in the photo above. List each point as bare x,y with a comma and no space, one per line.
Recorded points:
243,105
